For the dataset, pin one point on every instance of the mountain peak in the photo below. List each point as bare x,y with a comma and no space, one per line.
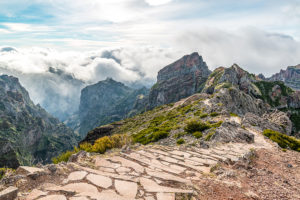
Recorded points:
179,80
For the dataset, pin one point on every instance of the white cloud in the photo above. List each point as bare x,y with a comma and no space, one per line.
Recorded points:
157,2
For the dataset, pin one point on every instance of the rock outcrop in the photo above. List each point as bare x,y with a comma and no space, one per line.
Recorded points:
106,102
179,80
28,134
290,76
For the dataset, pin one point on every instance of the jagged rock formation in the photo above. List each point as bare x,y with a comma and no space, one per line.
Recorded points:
106,102
178,80
290,76
28,134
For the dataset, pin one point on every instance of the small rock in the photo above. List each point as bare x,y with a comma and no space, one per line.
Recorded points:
54,197
52,168
289,165
24,170
9,193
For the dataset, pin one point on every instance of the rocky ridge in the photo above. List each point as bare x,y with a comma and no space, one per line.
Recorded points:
28,134
290,76
178,80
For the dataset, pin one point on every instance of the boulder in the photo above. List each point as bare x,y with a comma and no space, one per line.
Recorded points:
9,193
231,132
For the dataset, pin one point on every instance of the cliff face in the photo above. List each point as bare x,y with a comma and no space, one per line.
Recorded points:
105,102
290,76
28,134
179,80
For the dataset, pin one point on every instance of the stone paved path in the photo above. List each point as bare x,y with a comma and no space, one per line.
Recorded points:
151,172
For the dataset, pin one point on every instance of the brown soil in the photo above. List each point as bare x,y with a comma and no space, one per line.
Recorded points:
270,175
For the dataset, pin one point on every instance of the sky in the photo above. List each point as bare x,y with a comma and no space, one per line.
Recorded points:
252,30
131,40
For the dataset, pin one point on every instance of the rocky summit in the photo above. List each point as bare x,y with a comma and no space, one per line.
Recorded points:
28,134
290,76
178,80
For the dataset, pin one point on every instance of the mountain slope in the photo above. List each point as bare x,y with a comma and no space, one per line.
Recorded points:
106,102
28,134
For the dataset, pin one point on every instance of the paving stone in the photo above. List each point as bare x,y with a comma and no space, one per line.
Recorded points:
79,188
24,170
35,193
54,197
109,195
181,153
125,188
112,175
9,193
158,151
151,186
176,167
78,198
145,153
168,159
77,176
166,176
106,169
101,162
165,196
100,181
123,170
204,161
149,198
128,163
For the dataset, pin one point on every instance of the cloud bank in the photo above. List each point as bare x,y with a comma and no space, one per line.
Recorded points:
54,79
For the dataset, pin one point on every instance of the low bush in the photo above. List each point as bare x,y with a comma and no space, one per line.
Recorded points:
64,157
100,146
179,135
217,124
233,115
197,134
180,141
204,115
283,140
194,126
109,142
209,135
214,114
2,172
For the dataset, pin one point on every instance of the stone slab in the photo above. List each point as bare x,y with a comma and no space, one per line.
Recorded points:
9,193
100,181
126,188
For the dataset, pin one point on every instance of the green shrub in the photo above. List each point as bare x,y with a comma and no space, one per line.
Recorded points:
197,134
283,140
204,115
179,135
180,141
233,115
64,157
214,114
194,126
108,142
2,172
217,124
209,135
86,147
